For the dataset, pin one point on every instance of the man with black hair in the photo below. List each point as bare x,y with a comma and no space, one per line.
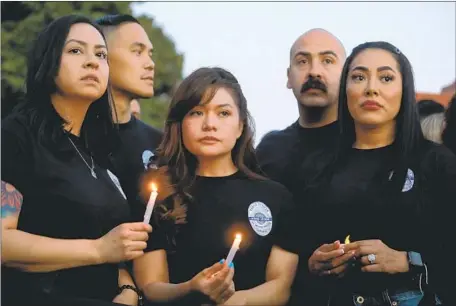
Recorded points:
429,107
131,77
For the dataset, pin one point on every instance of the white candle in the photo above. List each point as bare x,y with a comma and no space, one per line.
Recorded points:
150,204
234,249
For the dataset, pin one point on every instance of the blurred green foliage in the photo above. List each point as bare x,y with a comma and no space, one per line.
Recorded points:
22,21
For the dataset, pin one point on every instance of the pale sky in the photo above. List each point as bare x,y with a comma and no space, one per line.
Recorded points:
252,40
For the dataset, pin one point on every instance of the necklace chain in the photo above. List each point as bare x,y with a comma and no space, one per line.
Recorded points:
92,171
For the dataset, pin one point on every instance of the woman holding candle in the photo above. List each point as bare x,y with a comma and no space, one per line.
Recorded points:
388,188
58,198
207,150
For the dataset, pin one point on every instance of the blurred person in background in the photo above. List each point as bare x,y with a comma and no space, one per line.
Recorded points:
429,107
449,132
432,126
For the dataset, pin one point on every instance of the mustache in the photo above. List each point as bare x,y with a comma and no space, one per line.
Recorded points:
313,83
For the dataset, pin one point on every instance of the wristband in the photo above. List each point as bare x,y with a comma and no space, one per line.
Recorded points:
138,292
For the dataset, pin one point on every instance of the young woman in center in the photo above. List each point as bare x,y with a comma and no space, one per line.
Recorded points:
208,156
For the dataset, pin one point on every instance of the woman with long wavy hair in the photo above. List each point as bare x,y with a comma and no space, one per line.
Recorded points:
216,192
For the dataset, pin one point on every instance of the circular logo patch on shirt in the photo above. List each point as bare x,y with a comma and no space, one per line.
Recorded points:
409,181
260,218
146,156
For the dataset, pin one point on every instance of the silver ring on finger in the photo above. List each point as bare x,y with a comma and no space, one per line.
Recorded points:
371,258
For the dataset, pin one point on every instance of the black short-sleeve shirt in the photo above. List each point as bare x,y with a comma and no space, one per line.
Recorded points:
62,200
281,153
261,210
138,142
359,200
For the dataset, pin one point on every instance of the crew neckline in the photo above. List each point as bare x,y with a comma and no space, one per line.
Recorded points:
236,174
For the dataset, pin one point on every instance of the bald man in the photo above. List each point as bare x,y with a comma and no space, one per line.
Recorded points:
316,61
292,156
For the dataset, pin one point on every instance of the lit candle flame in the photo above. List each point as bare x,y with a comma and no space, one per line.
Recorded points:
150,203
347,239
234,248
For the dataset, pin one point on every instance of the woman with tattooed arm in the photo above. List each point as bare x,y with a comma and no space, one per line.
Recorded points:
63,216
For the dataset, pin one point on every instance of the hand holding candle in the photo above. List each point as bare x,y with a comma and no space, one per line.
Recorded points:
150,204
231,253
346,241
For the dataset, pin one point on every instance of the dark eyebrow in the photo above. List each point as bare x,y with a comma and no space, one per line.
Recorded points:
224,105
141,45
383,68
303,53
83,43
327,52
362,68
379,69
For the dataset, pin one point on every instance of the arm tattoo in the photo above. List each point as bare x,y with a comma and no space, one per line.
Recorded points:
11,200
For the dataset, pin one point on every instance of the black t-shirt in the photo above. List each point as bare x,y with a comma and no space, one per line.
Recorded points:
358,200
138,144
280,153
282,156
62,200
260,210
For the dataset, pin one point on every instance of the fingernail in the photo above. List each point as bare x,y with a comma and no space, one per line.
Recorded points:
222,261
231,265
342,251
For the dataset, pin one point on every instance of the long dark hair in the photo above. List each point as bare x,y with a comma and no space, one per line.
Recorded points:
449,133
203,84
408,135
42,68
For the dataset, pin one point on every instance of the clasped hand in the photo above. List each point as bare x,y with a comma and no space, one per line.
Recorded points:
336,258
